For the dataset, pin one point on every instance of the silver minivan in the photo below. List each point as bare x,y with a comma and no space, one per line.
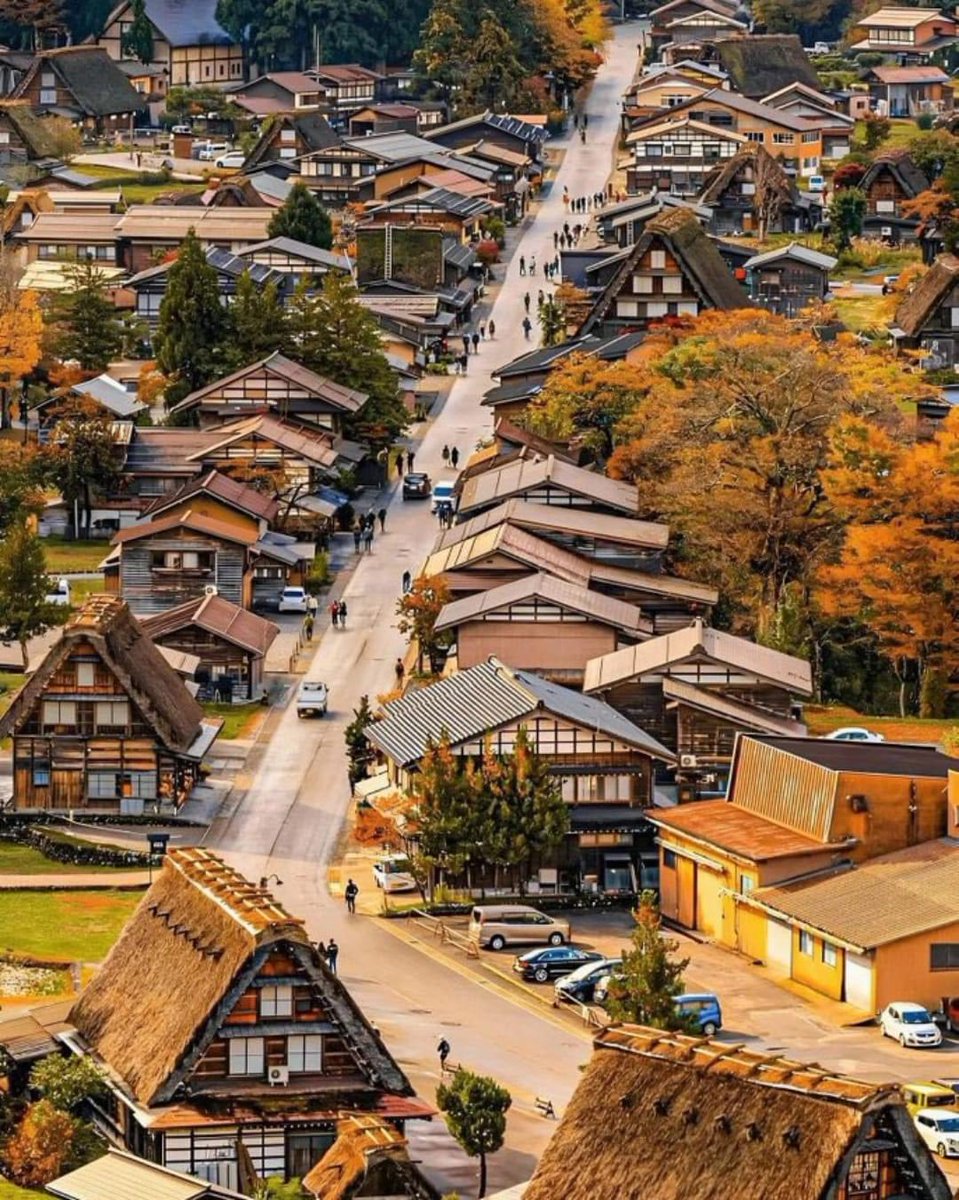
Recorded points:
500,925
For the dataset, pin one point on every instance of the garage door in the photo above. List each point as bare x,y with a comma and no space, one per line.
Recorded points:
709,904
857,981
779,946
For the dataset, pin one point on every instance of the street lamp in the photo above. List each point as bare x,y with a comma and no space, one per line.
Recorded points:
265,881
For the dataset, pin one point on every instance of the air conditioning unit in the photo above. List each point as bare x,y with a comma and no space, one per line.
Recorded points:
210,589
687,760
278,1076
886,231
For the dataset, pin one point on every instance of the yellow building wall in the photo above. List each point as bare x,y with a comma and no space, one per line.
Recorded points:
751,931
813,971
209,506
904,966
709,901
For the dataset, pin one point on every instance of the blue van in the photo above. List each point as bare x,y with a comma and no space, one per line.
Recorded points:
704,1006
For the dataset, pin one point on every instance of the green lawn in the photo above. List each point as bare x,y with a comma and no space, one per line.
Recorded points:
822,719
62,554
63,926
239,720
80,589
133,191
10,1191
16,859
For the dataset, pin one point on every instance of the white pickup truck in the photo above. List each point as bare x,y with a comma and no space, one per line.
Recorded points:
312,699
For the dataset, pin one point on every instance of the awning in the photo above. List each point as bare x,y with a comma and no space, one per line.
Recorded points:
611,817
209,730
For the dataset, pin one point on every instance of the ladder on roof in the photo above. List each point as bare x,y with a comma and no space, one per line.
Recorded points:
388,253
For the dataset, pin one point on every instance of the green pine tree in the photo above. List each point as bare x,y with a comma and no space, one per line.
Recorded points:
645,988
192,325
846,211
257,323
475,1108
87,326
303,218
24,587
359,751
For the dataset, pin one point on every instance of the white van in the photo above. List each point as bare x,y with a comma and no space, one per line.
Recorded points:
501,925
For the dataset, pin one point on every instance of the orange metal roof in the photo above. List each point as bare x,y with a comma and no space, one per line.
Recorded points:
727,827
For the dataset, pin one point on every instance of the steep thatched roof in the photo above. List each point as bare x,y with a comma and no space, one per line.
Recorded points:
761,64
369,1157
93,79
899,163
32,130
678,1118
698,259
106,623
754,156
201,932
920,304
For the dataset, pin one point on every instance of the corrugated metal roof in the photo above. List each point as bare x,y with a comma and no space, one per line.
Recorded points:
735,711
883,900
825,262
699,642
291,246
530,515
574,596
898,18
392,147
173,222
525,474
60,227
469,703
741,832
122,1176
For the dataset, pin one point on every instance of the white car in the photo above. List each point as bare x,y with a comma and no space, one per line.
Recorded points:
294,599
910,1024
393,874
232,161
213,151
854,733
312,698
939,1129
443,493
59,593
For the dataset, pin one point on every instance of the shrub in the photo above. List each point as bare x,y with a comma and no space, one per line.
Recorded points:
487,252
40,1146
925,120
495,230
320,575
67,1082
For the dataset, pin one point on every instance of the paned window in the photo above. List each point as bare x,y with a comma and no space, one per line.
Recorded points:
246,1056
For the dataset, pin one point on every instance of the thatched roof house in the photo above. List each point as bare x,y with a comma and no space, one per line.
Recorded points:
761,64
368,1158
918,311
679,1118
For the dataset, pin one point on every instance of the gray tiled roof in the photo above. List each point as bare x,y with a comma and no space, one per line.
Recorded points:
188,22
469,703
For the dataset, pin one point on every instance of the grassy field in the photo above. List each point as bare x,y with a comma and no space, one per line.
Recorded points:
239,720
16,859
10,1191
133,191
61,554
895,729
63,926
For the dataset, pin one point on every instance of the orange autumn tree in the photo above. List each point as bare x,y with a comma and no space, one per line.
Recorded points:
585,400
898,568
418,611
727,440
40,1145
21,341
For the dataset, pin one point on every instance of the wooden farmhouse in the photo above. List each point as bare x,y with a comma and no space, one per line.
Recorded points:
890,181
275,385
788,279
733,189
674,270
605,763
550,481
289,136
104,722
25,142
149,286
254,1051
677,154
216,495
676,1117
230,643
82,84
189,44
617,541
696,689
927,319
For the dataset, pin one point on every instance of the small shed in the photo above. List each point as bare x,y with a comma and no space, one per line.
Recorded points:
788,279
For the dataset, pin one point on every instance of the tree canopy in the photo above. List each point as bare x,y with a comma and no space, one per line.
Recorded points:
192,325
84,321
475,1108
303,218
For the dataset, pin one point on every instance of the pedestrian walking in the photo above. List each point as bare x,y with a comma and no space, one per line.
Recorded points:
464,363
350,892
369,520
407,582
312,604
555,239
582,136
540,297
357,534
476,342
522,265
399,464
368,539
321,950
334,613
454,457
482,330
466,343
342,613
332,954
526,301
585,120
382,519
576,120
492,330
308,627
410,459
446,454
532,264
443,1050
527,326
399,671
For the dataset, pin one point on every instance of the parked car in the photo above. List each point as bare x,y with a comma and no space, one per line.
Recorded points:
939,1129
293,599
212,150
501,925
910,1024
580,984
59,593
181,129
417,486
232,161
392,873
854,733
704,1008
312,698
443,494
816,183
928,1095
543,965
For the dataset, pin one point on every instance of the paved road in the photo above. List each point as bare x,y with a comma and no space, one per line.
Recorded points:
291,817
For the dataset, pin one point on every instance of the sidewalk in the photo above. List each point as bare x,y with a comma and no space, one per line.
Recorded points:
75,881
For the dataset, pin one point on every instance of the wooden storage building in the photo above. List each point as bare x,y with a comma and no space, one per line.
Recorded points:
105,722
890,182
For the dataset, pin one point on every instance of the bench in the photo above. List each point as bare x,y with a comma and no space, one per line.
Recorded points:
545,1107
